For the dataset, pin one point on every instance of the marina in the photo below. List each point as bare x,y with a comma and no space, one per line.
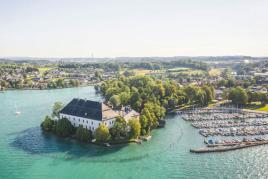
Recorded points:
246,128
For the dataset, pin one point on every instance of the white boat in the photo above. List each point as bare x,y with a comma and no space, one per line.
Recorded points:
16,111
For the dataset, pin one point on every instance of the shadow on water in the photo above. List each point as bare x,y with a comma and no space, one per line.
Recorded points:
34,141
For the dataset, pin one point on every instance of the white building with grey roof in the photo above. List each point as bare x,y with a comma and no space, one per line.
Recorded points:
90,114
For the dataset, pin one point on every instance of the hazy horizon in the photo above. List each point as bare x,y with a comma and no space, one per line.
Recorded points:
117,28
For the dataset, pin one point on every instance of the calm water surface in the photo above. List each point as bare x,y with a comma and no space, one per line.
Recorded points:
25,152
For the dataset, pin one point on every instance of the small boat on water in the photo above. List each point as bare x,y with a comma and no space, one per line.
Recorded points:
16,111
107,144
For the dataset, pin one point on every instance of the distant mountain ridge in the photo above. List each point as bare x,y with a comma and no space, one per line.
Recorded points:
135,59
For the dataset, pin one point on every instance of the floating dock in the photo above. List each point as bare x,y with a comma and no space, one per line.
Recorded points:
228,147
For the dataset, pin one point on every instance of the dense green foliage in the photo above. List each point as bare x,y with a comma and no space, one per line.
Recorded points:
257,97
135,128
64,128
152,97
238,96
150,116
150,65
102,134
82,134
119,129
56,109
47,124
115,100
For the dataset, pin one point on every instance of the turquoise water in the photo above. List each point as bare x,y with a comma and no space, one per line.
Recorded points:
25,152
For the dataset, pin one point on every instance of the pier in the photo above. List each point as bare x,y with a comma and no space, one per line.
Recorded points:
224,148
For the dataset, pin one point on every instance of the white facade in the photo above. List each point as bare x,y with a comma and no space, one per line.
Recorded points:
89,124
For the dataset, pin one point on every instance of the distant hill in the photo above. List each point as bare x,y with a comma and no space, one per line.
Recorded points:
224,59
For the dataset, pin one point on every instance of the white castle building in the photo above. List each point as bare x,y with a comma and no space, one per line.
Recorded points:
90,114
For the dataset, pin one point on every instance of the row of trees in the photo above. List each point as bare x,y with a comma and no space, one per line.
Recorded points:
240,96
152,65
64,128
120,130
28,83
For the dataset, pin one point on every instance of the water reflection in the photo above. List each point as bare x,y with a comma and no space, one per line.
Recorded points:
34,141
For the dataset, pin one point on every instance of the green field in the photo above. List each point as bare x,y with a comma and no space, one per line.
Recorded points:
44,69
186,71
264,108
214,72
178,69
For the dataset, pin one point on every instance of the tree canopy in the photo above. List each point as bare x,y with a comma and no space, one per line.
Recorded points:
82,134
238,96
152,97
56,109
64,128
102,134
47,124
119,129
135,128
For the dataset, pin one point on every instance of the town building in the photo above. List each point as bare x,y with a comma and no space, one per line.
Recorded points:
91,114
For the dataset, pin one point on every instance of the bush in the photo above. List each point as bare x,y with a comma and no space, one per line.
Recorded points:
47,124
82,134
64,128
102,134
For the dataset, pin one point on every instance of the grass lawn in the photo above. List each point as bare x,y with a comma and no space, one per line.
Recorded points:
264,108
44,69
257,106
185,71
191,72
214,72
178,69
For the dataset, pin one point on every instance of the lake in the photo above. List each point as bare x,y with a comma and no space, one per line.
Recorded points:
25,152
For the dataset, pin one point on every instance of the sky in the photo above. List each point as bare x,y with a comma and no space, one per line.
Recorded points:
116,28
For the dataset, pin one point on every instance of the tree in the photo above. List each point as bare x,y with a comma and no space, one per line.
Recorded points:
74,83
56,109
82,134
64,128
209,94
144,124
3,84
47,124
119,128
60,83
150,116
124,98
115,100
102,134
222,83
191,92
230,83
226,73
238,96
135,128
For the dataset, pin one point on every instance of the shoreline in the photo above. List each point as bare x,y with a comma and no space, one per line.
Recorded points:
37,89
